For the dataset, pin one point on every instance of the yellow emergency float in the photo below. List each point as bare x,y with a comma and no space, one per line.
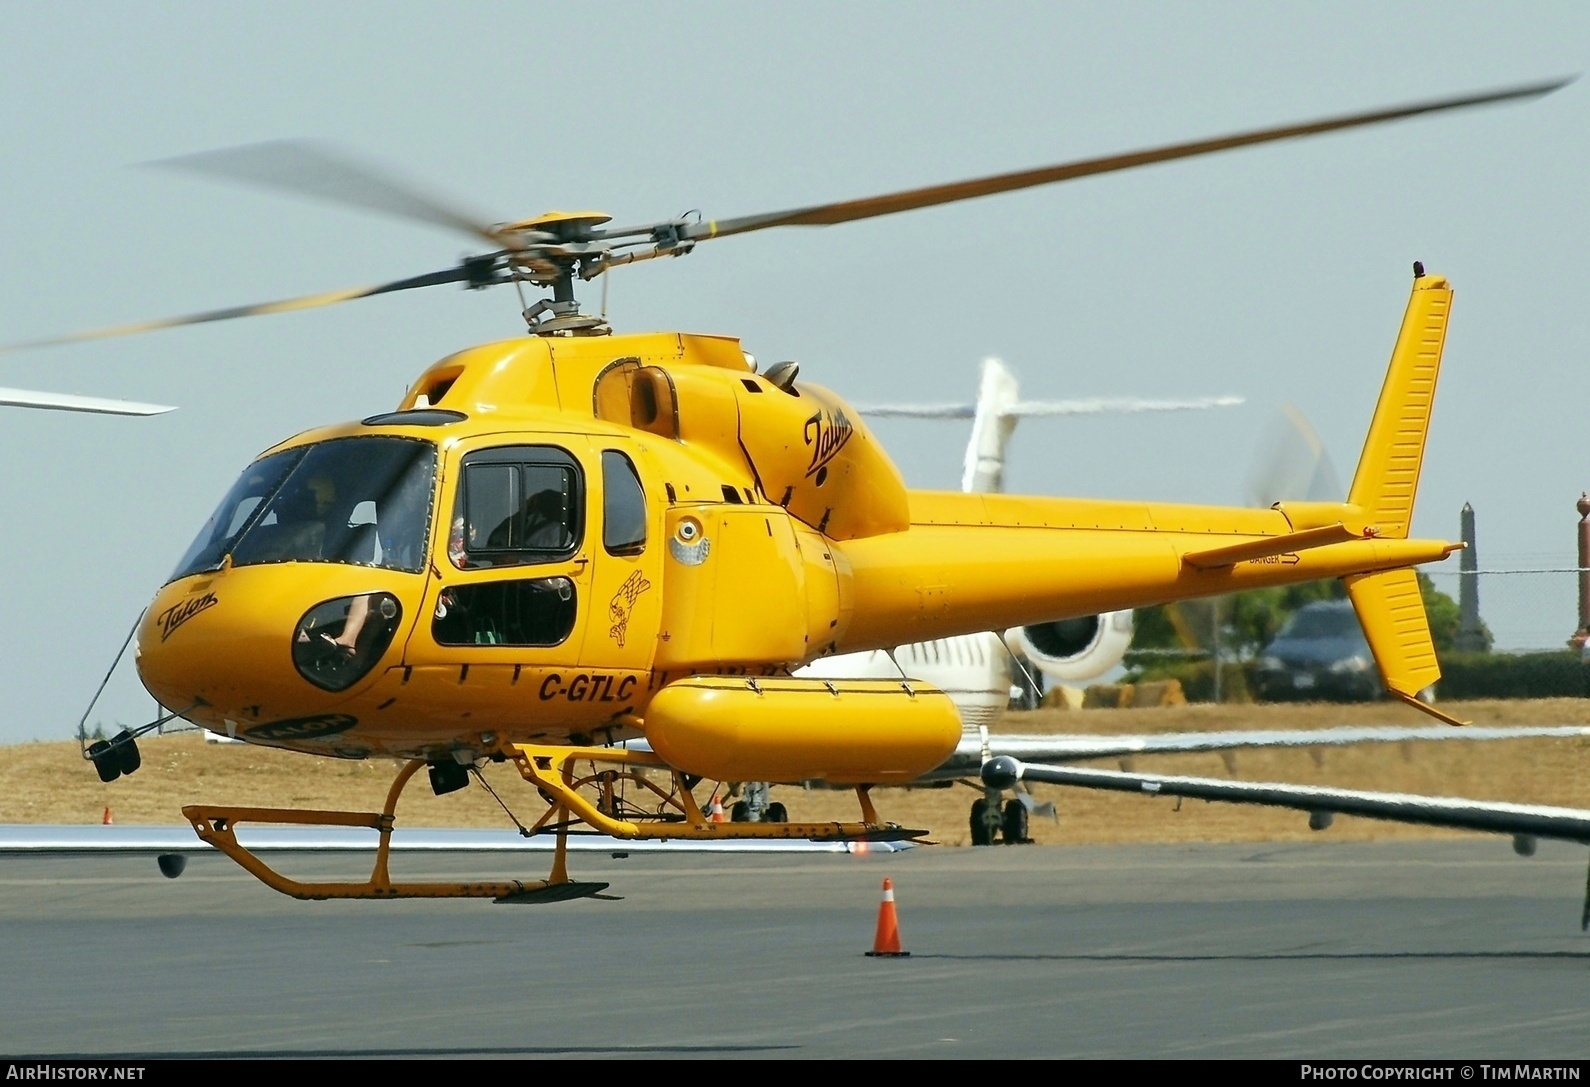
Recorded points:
845,732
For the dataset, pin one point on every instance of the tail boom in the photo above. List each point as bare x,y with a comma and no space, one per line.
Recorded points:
990,562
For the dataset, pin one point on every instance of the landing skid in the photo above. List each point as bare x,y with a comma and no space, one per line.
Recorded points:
576,791
558,892
218,826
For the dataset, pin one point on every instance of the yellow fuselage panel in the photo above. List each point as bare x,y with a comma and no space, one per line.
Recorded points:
222,642
817,459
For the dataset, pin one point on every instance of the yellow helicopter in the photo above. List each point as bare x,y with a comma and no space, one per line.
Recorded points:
599,556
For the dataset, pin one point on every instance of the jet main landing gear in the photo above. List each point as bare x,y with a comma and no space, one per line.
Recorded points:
993,821
757,807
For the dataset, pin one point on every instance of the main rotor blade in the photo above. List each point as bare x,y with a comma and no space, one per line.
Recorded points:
26,398
286,305
310,169
850,210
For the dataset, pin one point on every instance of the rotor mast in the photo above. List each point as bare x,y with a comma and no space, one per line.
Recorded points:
558,247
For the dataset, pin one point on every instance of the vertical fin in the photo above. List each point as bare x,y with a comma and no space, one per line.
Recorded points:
1391,609
1388,472
992,425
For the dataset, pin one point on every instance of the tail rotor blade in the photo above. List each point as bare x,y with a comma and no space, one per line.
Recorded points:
1291,464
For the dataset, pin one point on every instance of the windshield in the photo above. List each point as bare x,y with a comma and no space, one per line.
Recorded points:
365,501
1322,623
226,524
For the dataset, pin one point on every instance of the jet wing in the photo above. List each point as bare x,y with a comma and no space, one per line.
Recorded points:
1526,821
178,842
969,754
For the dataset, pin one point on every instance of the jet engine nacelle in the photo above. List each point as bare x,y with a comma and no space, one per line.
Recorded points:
1073,650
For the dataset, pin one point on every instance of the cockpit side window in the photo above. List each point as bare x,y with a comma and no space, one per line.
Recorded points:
623,505
516,505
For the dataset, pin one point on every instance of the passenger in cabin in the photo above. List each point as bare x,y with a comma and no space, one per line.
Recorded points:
295,527
539,526
398,541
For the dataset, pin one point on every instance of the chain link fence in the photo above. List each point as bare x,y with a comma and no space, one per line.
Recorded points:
1526,608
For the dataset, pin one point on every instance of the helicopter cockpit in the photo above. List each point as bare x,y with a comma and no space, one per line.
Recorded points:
362,501
365,501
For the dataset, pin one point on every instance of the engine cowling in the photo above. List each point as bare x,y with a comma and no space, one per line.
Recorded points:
1074,650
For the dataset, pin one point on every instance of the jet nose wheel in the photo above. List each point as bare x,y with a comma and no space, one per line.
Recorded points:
992,822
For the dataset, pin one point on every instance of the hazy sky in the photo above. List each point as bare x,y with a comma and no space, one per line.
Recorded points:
1278,273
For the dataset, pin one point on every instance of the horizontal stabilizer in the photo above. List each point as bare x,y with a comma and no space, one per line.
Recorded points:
1272,547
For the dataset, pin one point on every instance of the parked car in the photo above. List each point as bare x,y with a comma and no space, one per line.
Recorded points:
1320,653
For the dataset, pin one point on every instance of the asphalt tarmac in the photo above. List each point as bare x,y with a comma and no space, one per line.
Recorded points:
1401,949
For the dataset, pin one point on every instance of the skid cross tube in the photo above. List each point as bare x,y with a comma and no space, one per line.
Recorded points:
551,770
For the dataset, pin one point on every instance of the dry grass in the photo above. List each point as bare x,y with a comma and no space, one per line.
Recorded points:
50,783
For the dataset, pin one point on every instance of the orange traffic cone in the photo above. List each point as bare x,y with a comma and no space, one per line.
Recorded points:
715,810
105,820
886,944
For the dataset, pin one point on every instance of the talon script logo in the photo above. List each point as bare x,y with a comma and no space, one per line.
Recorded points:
826,432
174,616
304,728
623,604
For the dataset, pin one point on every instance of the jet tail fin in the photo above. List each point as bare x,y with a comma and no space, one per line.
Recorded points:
1391,609
1388,472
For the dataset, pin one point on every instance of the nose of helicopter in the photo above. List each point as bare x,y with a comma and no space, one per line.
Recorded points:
257,644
